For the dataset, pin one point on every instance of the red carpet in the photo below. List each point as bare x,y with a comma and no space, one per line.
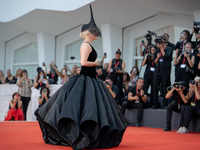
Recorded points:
27,136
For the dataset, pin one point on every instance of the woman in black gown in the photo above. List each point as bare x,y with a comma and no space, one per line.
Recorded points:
82,113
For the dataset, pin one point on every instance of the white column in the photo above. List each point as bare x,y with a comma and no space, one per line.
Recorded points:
2,58
197,15
111,39
46,48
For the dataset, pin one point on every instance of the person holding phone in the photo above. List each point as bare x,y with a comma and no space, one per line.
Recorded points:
44,97
24,84
40,81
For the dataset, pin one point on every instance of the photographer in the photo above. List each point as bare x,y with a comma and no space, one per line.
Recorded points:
178,95
116,69
101,73
62,74
44,97
185,37
53,77
136,99
167,40
134,76
113,90
146,47
148,74
162,59
24,84
184,62
194,108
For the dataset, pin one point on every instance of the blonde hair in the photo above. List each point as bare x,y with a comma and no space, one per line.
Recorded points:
84,34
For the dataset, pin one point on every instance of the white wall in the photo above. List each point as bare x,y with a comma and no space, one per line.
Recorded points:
46,48
2,51
16,44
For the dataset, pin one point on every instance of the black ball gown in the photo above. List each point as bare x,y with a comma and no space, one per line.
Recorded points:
82,113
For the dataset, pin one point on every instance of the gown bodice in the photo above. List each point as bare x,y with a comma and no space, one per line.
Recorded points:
90,71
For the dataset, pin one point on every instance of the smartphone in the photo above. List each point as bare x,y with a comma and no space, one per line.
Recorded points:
43,64
44,91
142,41
104,54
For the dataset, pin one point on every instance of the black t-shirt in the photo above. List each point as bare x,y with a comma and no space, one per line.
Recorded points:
195,100
13,81
135,92
53,77
116,91
183,60
164,62
150,64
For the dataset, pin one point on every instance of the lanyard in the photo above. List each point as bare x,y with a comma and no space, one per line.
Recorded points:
52,76
116,64
183,60
152,64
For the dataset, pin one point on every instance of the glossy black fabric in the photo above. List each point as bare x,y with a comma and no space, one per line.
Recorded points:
82,114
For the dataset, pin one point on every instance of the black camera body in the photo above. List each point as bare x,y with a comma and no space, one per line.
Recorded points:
187,51
193,82
107,83
180,50
160,39
196,26
116,69
149,56
177,85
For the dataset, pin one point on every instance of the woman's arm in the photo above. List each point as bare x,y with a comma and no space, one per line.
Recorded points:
47,84
35,82
19,104
85,51
123,66
57,72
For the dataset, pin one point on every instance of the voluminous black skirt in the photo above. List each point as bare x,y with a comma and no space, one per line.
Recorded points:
82,114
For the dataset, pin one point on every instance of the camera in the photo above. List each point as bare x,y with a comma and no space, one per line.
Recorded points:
116,69
193,82
160,39
187,51
107,83
177,85
180,50
149,55
196,26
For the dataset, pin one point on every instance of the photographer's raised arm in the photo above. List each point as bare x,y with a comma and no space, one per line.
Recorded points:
170,93
176,58
144,61
190,61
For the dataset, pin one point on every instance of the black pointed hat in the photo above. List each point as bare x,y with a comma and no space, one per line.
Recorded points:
91,26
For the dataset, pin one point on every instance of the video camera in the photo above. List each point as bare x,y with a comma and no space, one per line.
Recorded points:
160,39
196,26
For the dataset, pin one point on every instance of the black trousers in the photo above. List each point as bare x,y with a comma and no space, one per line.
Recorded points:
25,102
189,113
118,80
148,81
130,105
170,108
162,75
